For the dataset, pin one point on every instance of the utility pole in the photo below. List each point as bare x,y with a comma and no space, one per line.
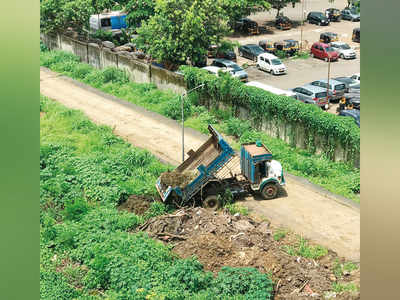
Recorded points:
329,74
302,23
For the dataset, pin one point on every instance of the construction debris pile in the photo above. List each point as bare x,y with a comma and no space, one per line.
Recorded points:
220,239
180,179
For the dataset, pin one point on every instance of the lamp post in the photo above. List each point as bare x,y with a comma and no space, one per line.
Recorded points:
183,118
302,23
329,74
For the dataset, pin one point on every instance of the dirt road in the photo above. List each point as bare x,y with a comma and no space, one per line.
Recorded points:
305,209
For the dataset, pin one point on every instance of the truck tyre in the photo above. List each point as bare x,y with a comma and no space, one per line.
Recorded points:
269,191
211,202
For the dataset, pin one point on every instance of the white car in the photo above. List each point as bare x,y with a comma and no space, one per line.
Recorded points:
270,63
272,89
214,70
356,77
344,50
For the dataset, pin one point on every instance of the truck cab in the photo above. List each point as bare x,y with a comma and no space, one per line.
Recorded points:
112,21
263,173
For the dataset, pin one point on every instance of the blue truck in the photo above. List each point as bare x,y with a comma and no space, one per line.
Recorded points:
217,168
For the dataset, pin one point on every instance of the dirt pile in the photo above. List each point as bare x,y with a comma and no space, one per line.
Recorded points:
220,239
136,204
180,179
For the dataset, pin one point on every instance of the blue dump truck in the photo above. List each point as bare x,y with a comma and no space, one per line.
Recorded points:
215,167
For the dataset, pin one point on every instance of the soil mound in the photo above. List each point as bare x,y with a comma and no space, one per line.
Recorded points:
219,239
136,204
180,179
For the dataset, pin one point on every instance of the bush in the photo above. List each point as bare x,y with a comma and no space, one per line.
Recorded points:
76,209
173,108
237,127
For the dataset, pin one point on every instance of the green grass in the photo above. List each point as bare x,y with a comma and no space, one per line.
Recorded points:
88,249
234,208
344,287
339,268
339,178
303,249
279,234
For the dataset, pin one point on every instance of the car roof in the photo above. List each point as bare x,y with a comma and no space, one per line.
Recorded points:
251,45
351,112
321,44
313,88
344,78
270,88
267,55
333,81
211,68
339,43
224,61
290,40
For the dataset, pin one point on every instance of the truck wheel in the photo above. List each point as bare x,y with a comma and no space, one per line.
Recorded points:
269,191
211,202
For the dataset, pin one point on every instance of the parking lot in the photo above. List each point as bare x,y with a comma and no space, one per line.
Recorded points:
302,71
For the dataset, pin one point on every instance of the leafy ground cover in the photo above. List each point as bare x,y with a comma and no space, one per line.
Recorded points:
89,249
339,178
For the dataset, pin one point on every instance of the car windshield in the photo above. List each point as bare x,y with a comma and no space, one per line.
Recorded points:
329,49
354,11
256,49
319,14
344,46
235,67
340,87
276,61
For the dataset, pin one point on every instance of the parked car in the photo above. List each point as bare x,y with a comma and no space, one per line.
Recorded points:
272,89
328,37
311,94
214,70
356,77
250,51
214,51
350,14
323,51
245,25
236,70
317,17
337,88
268,46
283,23
355,37
344,50
334,14
353,113
348,81
270,63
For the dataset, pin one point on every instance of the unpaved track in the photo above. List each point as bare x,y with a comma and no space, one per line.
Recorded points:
305,210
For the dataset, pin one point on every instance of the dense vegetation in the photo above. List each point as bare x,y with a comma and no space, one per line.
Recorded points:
88,248
339,178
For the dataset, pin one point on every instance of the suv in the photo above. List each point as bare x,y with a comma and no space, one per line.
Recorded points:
311,94
344,50
316,17
350,14
250,51
237,71
323,51
270,63
337,88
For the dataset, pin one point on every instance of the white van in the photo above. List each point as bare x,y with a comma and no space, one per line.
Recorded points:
113,21
272,89
270,63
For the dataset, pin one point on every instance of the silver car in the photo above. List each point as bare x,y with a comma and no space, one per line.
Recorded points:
312,94
337,88
350,14
236,70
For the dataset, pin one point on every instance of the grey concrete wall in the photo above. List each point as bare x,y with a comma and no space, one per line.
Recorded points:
94,55
108,58
52,41
137,71
80,49
167,80
66,43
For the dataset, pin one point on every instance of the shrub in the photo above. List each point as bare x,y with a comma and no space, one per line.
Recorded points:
237,127
173,108
76,209
53,285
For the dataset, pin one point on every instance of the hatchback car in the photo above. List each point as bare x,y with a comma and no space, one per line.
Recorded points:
250,51
337,88
350,14
316,17
311,94
348,81
237,71
344,50
270,63
323,51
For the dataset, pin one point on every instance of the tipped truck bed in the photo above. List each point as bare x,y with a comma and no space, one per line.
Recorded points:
209,159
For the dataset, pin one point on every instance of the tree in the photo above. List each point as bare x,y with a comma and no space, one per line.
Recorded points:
281,4
138,11
235,9
181,30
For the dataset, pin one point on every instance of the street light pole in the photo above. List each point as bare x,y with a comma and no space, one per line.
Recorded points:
329,75
302,23
183,118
